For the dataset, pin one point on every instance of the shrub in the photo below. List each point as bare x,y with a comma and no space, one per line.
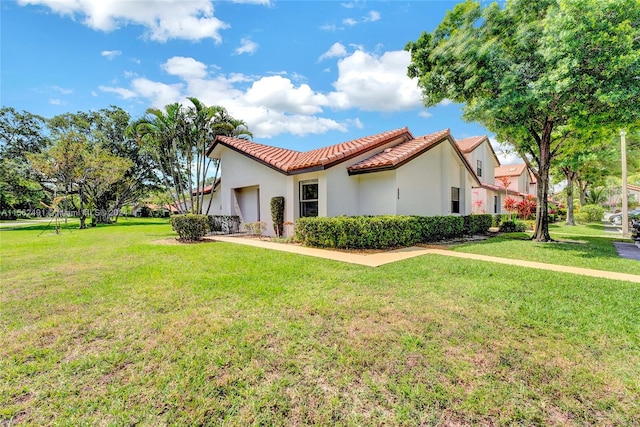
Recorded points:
379,232
581,218
190,227
277,214
592,213
512,226
477,224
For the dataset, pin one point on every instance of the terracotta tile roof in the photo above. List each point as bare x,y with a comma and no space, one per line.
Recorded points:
399,154
467,145
510,170
290,161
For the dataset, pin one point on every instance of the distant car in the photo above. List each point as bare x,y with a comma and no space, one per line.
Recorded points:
617,218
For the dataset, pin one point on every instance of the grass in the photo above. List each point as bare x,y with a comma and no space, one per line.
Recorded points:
104,326
592,229
587,251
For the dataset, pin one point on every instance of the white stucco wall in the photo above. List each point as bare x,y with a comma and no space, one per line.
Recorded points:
420,183
377,193
237,172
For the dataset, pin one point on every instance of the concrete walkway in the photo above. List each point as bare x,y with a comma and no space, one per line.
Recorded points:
381,258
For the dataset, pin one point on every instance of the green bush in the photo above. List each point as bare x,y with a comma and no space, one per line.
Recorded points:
379,232
190,227
582,218
592,213
477,224
277,214
512,227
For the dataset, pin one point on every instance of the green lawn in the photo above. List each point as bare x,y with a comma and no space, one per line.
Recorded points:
593,229
577,250
104,326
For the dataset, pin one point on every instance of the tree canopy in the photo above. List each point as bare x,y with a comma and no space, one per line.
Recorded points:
530,72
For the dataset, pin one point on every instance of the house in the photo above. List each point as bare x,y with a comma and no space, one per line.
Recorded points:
486,197
520,178
489,196
388,173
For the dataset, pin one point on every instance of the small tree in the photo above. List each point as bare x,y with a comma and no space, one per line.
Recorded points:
510,205
277,214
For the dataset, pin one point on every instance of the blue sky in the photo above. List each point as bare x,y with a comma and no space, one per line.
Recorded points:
302,74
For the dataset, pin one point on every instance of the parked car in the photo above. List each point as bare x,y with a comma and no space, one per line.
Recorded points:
617,218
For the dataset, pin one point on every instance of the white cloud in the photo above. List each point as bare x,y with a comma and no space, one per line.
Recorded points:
373,16
62,90
376,83
159,94
186,68
425,114
337,50
124,93
262,2
349,21
274,104
162,19
246,46
279,94
329,27
55,101
110,54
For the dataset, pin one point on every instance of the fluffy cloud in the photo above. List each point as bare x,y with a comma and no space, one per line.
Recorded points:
337,50
162,19
110,54
274,104
279,93
246,46
376,83
186,68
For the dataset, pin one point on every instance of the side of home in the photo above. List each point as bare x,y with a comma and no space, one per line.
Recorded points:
388,173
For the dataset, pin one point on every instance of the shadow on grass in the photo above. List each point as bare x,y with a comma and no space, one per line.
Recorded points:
587,247
74,225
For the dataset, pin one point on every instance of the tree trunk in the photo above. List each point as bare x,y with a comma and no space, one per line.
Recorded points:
541,232
83,214
570,177
582,188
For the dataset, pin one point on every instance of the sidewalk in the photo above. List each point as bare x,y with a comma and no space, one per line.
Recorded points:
381,258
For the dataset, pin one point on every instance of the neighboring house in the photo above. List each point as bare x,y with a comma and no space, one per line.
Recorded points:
521,178
487,197
389,173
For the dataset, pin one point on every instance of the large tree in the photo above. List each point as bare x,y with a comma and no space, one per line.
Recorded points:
533,70
20,133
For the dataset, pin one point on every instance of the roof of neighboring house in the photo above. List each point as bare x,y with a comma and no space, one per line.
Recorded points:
510,170
208,188
291,161
467,145
509,191
633,187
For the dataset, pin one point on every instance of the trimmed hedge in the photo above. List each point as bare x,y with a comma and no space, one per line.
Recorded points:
477,224
512,226
385,231
190,227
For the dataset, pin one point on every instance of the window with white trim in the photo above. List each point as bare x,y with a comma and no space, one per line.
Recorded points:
479,168
308,198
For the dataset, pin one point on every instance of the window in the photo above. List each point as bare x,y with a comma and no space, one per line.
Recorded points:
308,198
495,204
479,168
455,200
